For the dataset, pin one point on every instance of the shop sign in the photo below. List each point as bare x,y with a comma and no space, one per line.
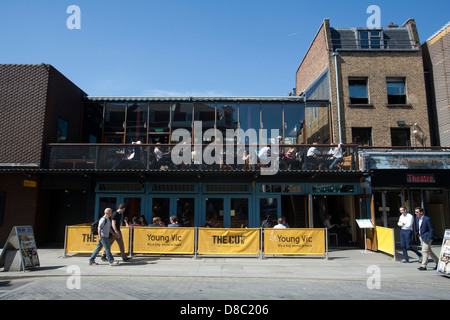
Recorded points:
420,178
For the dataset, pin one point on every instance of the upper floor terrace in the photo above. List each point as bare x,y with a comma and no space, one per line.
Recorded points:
272,158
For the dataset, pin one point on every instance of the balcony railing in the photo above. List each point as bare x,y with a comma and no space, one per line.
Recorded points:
157,157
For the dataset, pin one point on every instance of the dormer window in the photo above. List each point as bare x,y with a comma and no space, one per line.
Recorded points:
370,39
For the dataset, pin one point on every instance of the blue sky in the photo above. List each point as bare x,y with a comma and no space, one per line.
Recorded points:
187,47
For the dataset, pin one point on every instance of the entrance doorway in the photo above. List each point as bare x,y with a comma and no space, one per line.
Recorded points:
164,206
230,211
135,205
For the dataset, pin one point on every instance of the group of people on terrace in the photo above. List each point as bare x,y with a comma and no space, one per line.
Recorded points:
287,157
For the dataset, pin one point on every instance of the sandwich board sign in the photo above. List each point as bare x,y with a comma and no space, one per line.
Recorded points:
20,251
365,224
444,257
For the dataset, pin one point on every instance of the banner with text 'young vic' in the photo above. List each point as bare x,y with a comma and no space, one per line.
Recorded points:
294,241
163,240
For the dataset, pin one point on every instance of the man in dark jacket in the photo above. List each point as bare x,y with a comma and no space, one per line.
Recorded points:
425,228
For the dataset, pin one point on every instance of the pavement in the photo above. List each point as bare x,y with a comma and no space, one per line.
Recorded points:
348,274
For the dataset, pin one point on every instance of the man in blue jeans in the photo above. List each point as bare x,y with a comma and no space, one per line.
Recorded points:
406,222
104,228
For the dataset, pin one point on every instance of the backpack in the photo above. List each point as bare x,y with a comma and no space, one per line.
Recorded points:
94,227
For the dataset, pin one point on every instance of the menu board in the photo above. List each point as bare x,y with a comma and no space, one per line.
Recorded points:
444,258
21,239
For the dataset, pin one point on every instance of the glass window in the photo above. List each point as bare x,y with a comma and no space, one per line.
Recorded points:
357,89
362,136
239,212
159,117
114,121
370,39
294,119
182,115
214,212
396,90
249,118
272,118
318,125
137,115
227,118
92,122
62,130
401,137
206,113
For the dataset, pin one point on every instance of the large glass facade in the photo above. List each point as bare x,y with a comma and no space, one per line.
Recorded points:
154,121
136,124
250,118
294,119
272,118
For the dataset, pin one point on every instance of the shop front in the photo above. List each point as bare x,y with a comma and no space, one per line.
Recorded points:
410,179
240,204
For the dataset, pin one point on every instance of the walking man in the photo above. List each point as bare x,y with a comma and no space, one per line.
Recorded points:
104,228
426,234
405,222
117,234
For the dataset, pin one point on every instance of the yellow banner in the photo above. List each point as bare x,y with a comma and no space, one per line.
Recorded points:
228,241
294,241
81,240
385,240
164,240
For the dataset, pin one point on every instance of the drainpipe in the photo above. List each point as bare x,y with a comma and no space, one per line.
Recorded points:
335,54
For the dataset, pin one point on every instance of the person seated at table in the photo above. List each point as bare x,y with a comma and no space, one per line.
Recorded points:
174,222
135,222
210,223
288,159
246,160
332,227
156,222
142,220
268,223
313,157
280,224
264,155
336,156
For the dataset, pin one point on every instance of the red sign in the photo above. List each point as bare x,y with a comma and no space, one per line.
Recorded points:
420,178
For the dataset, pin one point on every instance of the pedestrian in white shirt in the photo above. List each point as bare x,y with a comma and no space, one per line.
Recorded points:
405,222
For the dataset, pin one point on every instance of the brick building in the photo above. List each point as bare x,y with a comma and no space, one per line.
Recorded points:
380,93
374,79
38,105
437,66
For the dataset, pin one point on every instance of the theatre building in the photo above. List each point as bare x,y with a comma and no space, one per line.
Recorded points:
66,156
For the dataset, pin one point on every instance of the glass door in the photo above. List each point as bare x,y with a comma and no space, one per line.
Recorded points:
364,209
165,206
230,211
135,205
268,206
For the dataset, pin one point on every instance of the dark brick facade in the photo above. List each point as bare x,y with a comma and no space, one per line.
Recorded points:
32,98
